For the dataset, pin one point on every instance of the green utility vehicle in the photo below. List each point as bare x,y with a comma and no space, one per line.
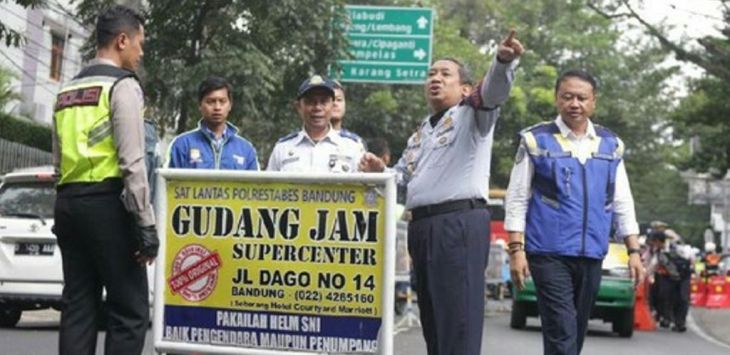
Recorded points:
614,304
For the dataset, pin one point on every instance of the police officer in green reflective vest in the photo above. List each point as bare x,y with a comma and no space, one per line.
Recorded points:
104,222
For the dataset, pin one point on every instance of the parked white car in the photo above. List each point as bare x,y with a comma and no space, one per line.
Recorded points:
31,274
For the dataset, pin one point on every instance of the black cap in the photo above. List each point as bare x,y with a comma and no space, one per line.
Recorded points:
657,235
316,81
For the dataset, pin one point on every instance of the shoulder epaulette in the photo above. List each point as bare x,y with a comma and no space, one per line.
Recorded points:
347,134
288,137
545,126
602,131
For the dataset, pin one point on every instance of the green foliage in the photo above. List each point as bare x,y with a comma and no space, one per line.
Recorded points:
19,130
25,132
704,114
669,204
265,51
11,36
6,93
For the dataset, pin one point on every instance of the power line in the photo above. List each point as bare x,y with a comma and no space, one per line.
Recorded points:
23,18
42,62
59,9
695,13
16,65
41,45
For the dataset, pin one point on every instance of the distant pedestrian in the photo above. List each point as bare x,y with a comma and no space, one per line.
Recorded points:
381,149
674,274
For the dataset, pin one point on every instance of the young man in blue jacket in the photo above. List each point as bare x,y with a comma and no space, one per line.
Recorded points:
215,144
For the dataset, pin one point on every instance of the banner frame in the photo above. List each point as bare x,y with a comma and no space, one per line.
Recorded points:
386,180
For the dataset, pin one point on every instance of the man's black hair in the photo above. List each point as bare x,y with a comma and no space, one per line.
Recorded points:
213,83
579,74
338,85
379,146
115,20
464,72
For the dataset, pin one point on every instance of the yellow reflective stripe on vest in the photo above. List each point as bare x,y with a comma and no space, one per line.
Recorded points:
83,125
531,143
569,146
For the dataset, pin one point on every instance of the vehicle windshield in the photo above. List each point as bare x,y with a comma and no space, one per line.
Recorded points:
27,198
616,261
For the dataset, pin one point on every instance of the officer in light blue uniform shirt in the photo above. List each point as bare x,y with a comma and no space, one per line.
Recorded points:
317,147
446,169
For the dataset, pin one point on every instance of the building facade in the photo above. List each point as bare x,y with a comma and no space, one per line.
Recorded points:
49,56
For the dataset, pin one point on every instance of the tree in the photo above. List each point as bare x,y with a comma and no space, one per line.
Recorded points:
702,115
564,34
265,51
11,36
7,94
634,99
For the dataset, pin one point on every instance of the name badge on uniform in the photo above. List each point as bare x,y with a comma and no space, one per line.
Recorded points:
239,159
339,164
289,160
448,121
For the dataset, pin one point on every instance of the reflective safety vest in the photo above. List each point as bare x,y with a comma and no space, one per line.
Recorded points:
571,210
83,125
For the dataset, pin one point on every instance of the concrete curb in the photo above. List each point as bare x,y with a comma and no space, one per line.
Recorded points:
698,327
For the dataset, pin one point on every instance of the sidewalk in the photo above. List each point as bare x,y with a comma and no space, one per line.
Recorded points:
714,321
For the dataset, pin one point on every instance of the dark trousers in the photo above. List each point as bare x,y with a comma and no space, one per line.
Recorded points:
566,290
674,298
449,253
97,244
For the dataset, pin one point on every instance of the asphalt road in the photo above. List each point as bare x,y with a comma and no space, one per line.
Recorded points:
37,334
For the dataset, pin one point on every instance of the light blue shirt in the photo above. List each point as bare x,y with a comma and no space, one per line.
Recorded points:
451,161
217,141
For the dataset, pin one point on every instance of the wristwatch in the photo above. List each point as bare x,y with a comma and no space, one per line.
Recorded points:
632,251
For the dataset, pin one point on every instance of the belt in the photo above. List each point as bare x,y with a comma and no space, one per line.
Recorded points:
448,206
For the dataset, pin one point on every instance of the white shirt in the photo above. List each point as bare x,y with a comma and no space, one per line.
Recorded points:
520,185
299,153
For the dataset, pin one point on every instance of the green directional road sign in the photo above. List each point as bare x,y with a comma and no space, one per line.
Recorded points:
387,45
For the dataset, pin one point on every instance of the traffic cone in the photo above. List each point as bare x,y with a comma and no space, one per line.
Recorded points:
642,315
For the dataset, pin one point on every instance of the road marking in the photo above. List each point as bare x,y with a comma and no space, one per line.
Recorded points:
692,325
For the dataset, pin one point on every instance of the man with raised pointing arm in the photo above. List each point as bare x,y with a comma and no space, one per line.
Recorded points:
446,169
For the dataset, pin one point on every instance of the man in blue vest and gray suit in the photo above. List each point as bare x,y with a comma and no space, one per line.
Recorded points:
568,188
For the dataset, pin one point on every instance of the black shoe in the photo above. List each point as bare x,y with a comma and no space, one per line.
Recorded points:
664,323
679,328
